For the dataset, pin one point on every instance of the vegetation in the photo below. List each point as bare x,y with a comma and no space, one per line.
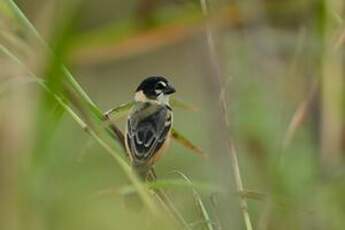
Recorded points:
258,118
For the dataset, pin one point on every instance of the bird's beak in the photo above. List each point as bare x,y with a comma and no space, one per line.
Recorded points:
170,89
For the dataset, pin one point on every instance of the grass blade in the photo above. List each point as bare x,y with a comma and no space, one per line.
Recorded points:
122,163
119,111
200,203
175,184
186,143
218,76
300,115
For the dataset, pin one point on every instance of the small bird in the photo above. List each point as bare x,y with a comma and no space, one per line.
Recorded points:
149,124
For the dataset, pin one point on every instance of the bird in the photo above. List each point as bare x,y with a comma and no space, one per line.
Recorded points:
149,124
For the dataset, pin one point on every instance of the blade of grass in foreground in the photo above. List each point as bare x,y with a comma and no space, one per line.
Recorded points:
95,110
125,167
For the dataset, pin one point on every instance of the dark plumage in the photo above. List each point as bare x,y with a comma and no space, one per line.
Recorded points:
148,127
149,123
151,85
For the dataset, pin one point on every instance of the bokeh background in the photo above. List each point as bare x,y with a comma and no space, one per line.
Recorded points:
268,87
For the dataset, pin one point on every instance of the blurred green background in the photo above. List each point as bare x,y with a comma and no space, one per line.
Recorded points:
277,65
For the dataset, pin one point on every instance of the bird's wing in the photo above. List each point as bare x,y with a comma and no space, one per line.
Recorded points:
147,129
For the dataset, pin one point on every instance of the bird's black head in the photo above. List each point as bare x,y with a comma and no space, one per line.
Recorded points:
154,88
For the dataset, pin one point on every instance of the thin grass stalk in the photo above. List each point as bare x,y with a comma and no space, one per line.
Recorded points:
223,101
332,87
207,219
125,167
239,185
172,209
300,114
166,202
